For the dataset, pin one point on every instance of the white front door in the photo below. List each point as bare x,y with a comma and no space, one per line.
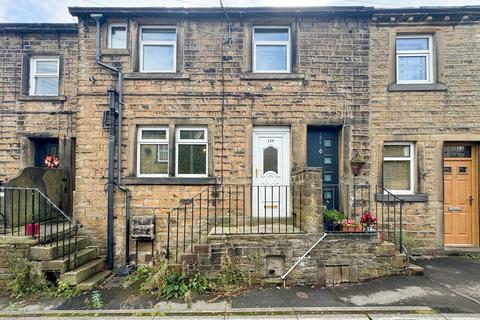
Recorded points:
271,172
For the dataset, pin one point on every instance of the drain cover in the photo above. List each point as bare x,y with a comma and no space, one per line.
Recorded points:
302,295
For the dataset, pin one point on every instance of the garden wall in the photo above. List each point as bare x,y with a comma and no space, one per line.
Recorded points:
339,258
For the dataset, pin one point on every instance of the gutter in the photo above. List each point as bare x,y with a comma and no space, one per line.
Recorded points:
110,232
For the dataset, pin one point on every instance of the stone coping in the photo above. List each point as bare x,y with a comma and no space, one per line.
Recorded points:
336,235
8,239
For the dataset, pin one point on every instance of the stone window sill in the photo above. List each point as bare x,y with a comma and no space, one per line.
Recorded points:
395,87
156,76
171,181
115,52
419,197
272,76
41,98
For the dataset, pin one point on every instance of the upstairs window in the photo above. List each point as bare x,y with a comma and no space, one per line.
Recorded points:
117,36
44,76
398,167
191,151
152,152
271,49
414,59
158,47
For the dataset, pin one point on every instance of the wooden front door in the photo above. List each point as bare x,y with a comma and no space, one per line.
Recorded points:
459,194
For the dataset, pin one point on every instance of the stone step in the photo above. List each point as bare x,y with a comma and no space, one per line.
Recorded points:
271,282
414,270
65,264
189,258
56,249
94,281
83,272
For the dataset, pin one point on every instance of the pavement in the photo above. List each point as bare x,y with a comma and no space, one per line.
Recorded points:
450,289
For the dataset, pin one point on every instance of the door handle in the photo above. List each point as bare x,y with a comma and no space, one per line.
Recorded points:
470,199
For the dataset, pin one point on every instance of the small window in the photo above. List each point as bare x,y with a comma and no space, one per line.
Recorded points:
398,167
117,36
270,160
414,59
271,49
152,152
191,152
450,151
44,76
158,47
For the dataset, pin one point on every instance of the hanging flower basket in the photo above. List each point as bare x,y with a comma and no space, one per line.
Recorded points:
51,161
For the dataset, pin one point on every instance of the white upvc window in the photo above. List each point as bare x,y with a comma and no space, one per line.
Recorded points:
398,167
158,49
117,36
44,76
191,152
271,49
152,152
414,59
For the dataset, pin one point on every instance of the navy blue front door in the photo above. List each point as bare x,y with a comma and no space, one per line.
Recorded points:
322,151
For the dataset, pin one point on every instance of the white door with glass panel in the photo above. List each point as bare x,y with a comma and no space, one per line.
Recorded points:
271,172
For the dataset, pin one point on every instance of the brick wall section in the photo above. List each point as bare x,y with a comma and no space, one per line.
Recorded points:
332,54
21,118
426,118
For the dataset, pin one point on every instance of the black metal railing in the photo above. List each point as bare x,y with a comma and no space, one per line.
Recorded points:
29,212
355,201
235,209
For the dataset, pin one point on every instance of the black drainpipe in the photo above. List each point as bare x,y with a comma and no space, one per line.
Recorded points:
111,183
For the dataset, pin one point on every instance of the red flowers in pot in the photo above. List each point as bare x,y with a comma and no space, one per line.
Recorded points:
369,221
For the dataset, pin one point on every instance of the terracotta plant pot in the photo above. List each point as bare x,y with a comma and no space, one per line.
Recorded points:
358,229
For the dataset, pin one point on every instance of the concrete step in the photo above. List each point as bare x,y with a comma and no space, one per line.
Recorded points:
94,281
56,249
189,258
63,265
414,270
83,272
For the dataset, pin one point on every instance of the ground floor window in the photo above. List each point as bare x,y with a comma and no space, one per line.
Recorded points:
152,152
191,151
189,148
398,164
44,149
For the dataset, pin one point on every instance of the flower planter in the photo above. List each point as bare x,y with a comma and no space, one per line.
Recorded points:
36,229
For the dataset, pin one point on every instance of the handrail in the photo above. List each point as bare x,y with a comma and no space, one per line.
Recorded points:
45,197
301,258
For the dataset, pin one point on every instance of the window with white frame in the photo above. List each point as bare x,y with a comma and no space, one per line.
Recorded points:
152,152
191,152
44,76
158,47
117,36
398,164
414,59
271,49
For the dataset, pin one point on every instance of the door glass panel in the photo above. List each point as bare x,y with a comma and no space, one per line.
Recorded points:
327,143
270,160
327,177
457,151
327,160
462,169
447,170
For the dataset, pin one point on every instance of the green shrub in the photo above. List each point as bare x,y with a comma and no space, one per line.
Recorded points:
333,215
66,290
231,277
96,300
176,286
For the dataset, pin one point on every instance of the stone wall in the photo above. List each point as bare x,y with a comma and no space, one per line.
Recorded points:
14,253
339,258
426,117
329,87
23,117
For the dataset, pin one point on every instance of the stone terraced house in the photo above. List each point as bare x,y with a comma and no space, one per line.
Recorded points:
201,135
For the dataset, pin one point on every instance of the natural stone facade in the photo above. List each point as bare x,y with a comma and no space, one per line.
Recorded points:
428,117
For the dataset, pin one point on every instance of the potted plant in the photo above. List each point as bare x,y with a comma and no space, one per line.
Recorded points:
369,221
350,225
332,220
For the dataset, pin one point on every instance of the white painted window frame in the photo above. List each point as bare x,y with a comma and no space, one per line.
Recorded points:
141,141
411,159
110,34
179,141
271,43
34,75
416,53
163,43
